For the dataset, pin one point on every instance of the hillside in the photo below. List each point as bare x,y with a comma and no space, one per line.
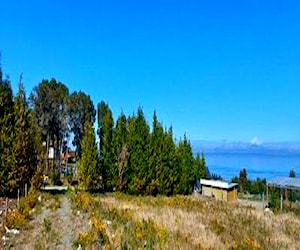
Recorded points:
128,222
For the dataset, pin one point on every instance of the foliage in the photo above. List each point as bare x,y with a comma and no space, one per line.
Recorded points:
88,171
107,155
292,173
49,101
6,134
81,109
274,202
243,180
15,220
83,201
23,144
185,174
257,186
138,147
131,158
200,167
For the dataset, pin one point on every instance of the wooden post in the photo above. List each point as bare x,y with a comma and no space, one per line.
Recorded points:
25,189
6,208
267,194
18,198
263,201
281,202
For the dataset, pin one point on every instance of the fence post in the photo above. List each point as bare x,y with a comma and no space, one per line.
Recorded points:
18,198
25,189
6,208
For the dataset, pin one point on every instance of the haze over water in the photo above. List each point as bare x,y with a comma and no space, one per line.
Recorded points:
260,162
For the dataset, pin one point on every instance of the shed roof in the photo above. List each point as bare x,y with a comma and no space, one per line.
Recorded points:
218,184
285,182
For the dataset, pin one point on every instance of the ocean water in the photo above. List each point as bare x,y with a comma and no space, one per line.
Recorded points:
258,165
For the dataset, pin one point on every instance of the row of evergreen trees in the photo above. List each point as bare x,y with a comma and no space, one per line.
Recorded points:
18,145
131,157
136,159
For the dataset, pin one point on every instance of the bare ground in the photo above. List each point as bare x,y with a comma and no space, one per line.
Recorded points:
52,228
59,227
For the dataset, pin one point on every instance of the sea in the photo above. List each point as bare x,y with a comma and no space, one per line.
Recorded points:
258,164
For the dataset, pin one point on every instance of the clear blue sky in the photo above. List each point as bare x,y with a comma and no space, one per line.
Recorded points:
213,69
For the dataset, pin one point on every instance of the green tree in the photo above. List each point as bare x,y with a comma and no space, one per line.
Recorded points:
81,109
167,175
107,155
121,150
50,104
89,172
185,175
23,143
138,147
6,133
200,169
292,173
243,180
155,156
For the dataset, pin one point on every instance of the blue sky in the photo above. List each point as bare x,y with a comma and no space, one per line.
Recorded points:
213,69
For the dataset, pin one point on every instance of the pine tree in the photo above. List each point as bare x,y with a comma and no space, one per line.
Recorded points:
6,133
185,175
121,150
243,180
138,147
292,173
200,169
155,164
107,155
166,175
89,171
23,143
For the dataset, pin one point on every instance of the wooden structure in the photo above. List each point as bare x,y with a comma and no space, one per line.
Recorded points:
285,186
220,190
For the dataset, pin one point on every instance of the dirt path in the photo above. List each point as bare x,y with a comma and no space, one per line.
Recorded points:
55,227
64,213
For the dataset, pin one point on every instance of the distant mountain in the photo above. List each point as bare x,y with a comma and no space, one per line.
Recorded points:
255,146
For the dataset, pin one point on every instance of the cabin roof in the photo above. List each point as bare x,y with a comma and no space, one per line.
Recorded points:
217,184
285,182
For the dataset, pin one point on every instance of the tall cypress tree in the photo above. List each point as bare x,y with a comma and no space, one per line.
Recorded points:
138,145
23,143
107,155
89,172
121,150
6,133
200,169
168,159
185,175
156,157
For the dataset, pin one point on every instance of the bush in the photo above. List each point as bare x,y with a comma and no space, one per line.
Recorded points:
15,219
83,201
28,203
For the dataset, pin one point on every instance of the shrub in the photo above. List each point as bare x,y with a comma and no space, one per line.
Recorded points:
100,229
84,239
15,220
83,201
28,203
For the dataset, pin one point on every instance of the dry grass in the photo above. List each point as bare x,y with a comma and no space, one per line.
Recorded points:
126,222
195,223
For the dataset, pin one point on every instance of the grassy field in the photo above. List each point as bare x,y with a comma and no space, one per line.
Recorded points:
119,221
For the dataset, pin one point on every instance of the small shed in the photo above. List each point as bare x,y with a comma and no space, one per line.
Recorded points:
289,188
220,190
